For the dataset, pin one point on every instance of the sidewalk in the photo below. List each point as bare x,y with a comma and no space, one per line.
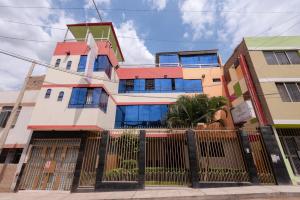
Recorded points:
245,192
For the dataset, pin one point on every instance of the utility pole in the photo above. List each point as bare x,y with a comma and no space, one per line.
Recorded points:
15,109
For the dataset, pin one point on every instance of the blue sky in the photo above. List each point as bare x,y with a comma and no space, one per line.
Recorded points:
157,25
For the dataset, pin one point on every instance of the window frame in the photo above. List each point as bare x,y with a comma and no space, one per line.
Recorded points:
57,62
69,65
48,93
291,99
60,96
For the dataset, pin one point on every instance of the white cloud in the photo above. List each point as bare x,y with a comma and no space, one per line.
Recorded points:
186,35
90,4
12,70
134,50
252,19
200,22
158,4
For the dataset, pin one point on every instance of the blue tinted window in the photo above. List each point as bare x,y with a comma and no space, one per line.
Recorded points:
122,86
69,64
166,84
168,60
82,64
141,115
199,60
102,63
179,85
192,85
139,85
88,98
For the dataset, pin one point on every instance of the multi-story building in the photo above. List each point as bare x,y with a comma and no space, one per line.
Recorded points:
85,91
19,135
263,85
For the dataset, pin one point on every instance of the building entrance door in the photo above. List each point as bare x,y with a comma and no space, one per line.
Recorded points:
50,164
290,140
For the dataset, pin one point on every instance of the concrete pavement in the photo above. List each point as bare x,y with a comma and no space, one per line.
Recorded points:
235,193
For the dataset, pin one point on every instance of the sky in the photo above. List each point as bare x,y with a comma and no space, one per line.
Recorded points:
144,27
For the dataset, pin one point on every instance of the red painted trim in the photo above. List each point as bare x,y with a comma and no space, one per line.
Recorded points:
64,127
99,24
225,86
72,85
153,72
253,93
143,103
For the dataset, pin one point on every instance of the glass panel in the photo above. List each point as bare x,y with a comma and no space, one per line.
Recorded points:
144,113
195,61
168,60
120,115
270,57
69,63
294,57
150,84
179,84
129,85
166,85
122,88
293,91
139,85
102,63
131,115
192,85
78,97
282,92
57,63
282,58
82,63
103,100
96,96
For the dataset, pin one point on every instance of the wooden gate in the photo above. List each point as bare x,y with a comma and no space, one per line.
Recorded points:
260,157
90,160
219,156
50,164
166,158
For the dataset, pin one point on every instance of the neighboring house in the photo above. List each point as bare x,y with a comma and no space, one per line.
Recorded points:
263,84
19,135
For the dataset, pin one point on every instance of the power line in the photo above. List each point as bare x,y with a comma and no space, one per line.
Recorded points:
93,77
150,10
97,11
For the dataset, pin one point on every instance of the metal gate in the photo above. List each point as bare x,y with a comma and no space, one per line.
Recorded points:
260,157
121,159
50,164
220,156
290,140
90,160
166,158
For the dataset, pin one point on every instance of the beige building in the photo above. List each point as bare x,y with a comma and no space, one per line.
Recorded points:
19,135
263,81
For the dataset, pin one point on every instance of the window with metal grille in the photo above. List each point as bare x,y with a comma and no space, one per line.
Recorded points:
149,84
69,64
282,57
57,62
129,85
289,91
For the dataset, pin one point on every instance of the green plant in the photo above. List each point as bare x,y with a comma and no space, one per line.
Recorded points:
190,110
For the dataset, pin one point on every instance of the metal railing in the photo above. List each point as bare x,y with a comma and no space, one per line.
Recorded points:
219,156
260,157
51,164
166,158
122,156
90,160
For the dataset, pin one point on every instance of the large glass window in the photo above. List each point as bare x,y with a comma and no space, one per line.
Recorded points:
102,63
168,60
282,57
88,98
141,116
289,91
82,64
159,85
192,86
203,60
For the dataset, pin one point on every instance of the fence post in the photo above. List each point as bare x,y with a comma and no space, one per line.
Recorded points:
101,163
76,178
248,158
192,148
279,169
141,158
